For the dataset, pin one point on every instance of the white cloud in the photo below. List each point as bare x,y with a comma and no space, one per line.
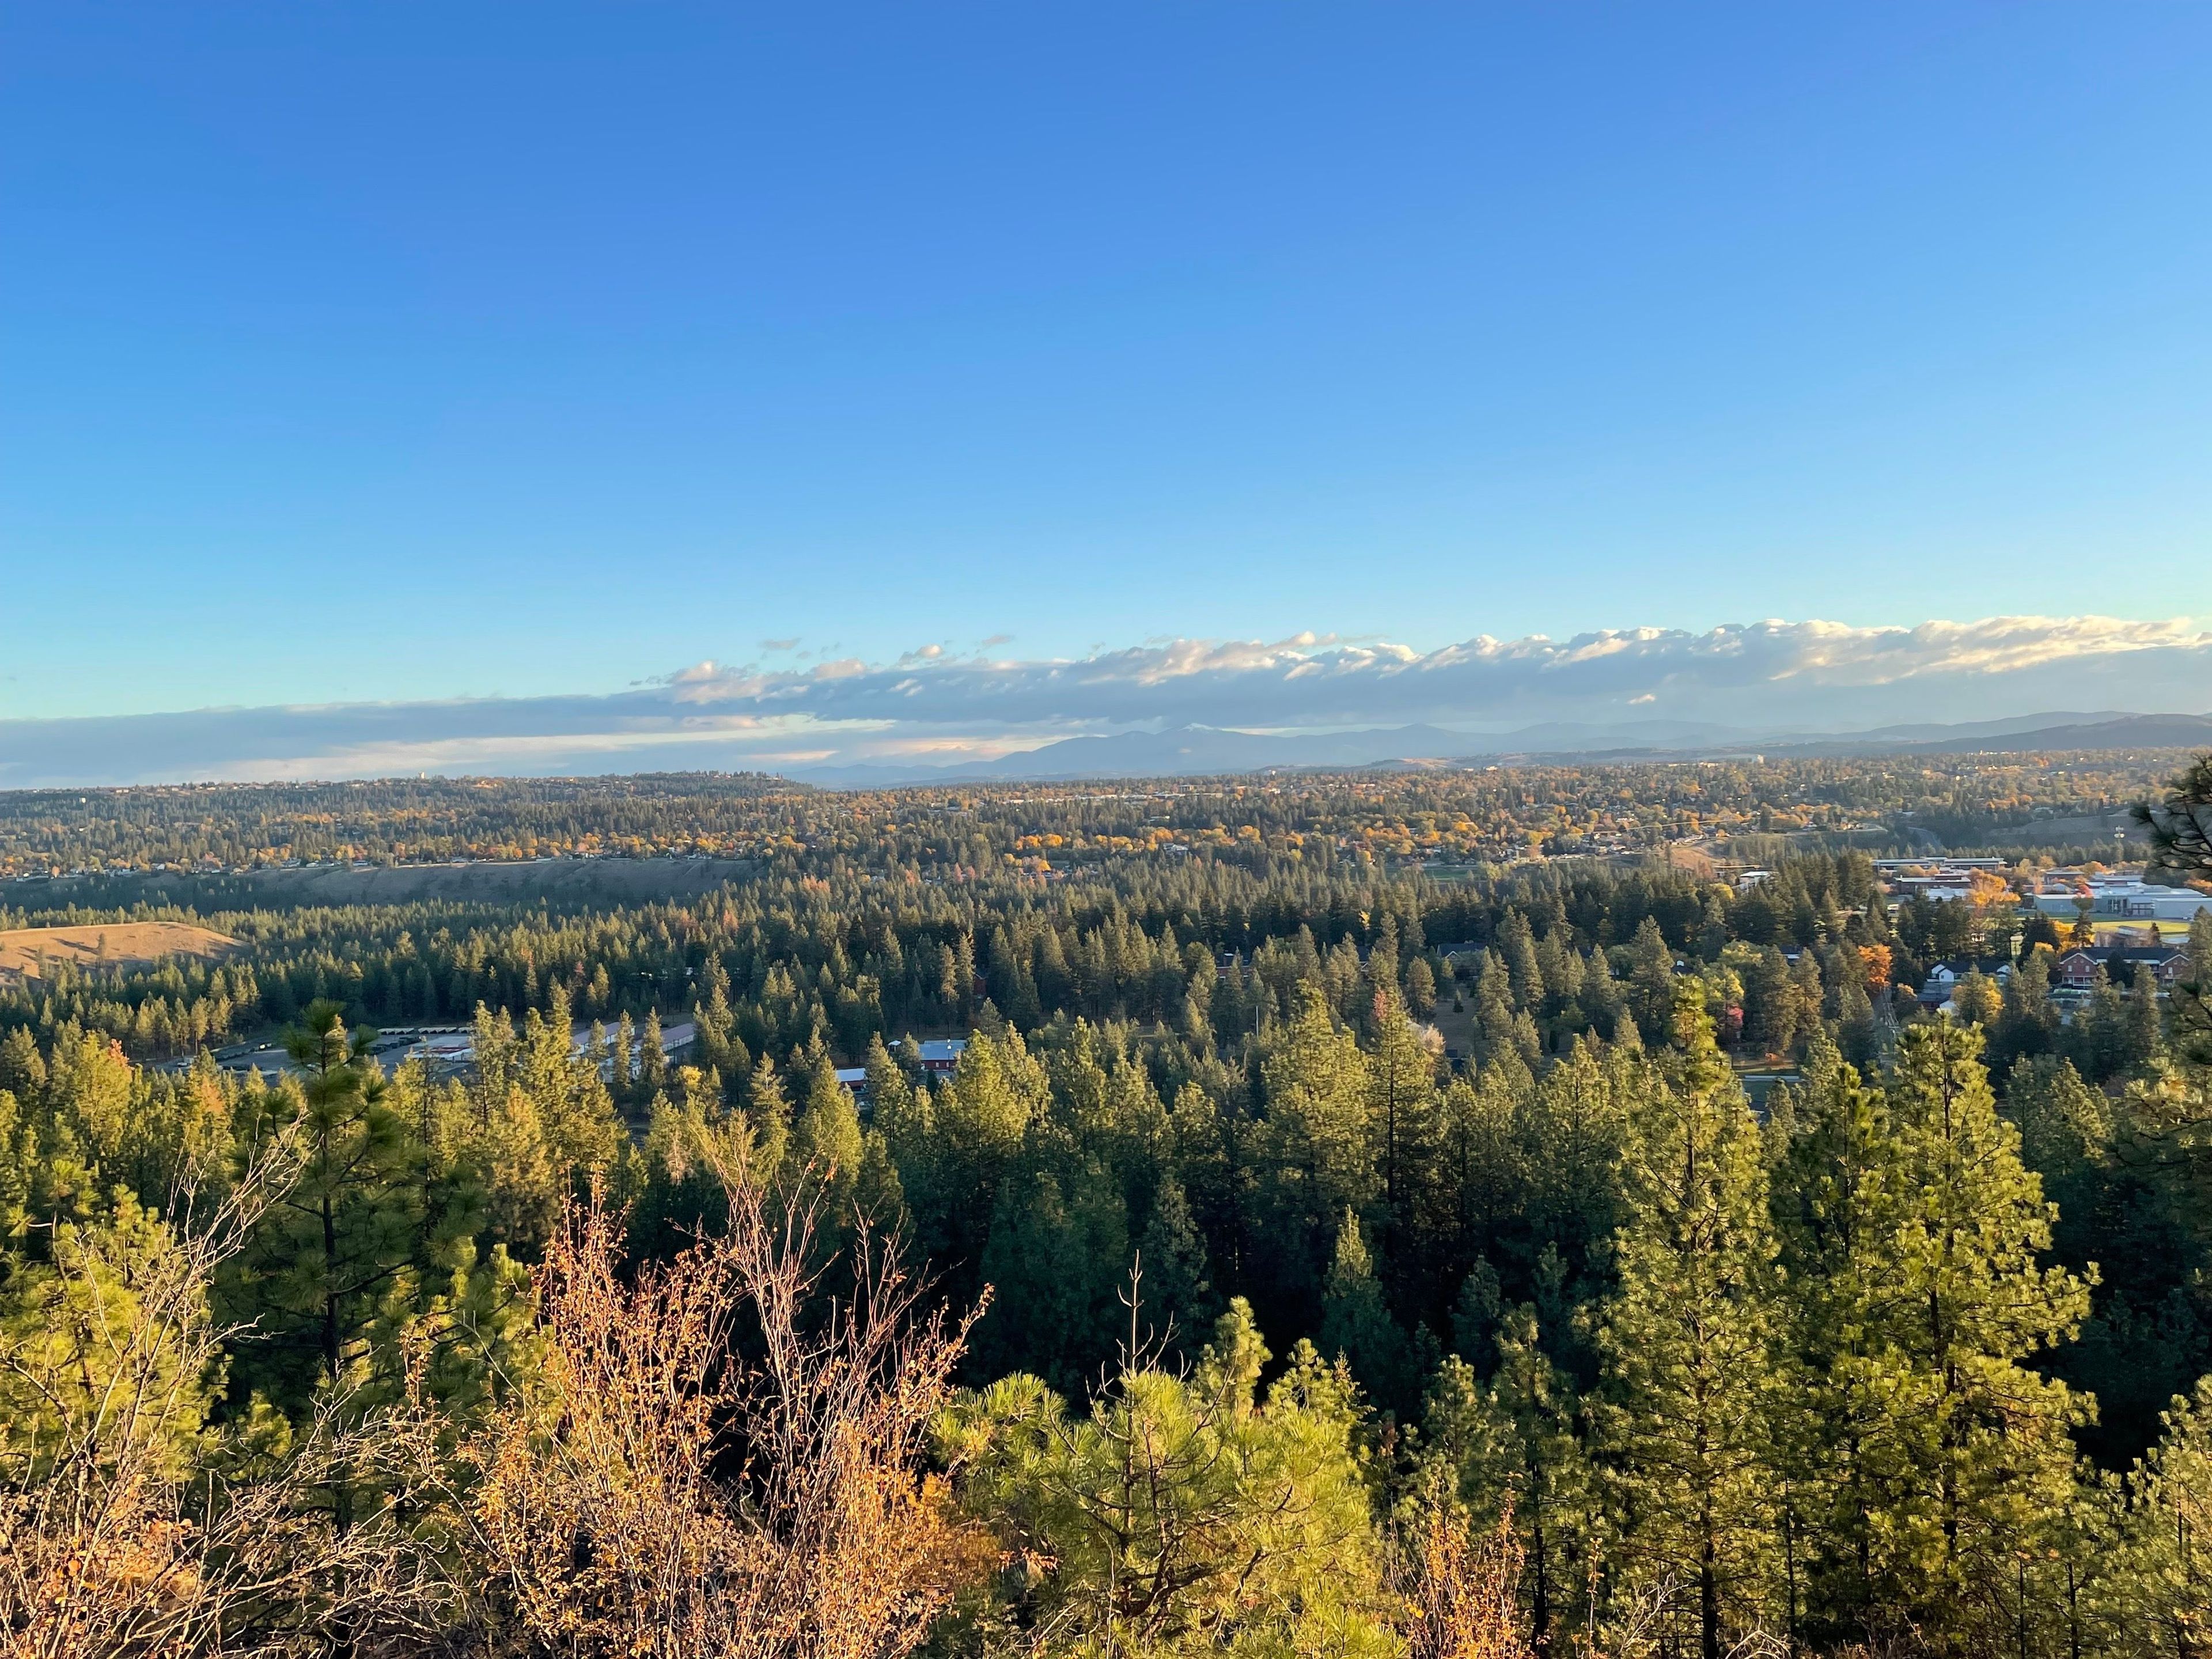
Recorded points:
1325,679
1818,675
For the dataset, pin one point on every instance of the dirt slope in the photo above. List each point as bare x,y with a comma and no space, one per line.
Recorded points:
27,949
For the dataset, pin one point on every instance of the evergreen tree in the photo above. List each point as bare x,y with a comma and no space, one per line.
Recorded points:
77,1349
1978,1000
1517,945
1936,1459
1178,1282
2143,1032
1420,988
328,1250
1319,1157
1688,1345
1835,1199
1181,1514
1055,1260
2065,1128
653,1056
1966,1304
1400,1095
1770,1003
1475,1314
827,1150
1356,1325
768,1117
1860,1033
1600,1003
2027,1024
2161,1598
979,1123
1493,1008
1651,980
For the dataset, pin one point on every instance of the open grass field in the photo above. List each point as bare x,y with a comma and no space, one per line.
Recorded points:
30,951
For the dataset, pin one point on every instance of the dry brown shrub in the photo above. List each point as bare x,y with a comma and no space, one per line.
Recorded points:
715,1461
111,1542
130,1572
1462,1587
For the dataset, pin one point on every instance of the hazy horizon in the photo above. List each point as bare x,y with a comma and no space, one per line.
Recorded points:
931,709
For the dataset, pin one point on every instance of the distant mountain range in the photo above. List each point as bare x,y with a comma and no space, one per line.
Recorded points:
2098,731
1204,751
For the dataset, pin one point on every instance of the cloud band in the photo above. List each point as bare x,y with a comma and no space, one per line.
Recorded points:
943,707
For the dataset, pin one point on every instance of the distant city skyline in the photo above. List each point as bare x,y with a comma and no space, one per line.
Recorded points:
417,356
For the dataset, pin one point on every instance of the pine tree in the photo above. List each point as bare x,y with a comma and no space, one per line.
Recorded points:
624,1056
83,1363
1517,945
1835,1198
1476,1312
1770,1003
342,1247
2162,1595
1493,1008
826,1147
1651,980
1356,1325
1688,1344
2065,1126
1978,1000
1178,1282
1180,1513
1934,1460
1420,988
1569,1131
2143,1033
768,1116
1859,1032
1319,1156
1964,1303
2027,1024
2096,1040
716,1041
1400,1095
979,1123
653,1056
2192,997
1055,1259
1599,1003
878,1194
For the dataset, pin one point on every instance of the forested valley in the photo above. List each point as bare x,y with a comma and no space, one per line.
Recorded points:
1332,1239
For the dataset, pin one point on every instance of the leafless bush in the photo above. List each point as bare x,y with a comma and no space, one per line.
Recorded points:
124,1527
708,1463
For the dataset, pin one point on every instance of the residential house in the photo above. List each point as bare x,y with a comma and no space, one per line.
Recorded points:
2077,969
1943,978
940,1056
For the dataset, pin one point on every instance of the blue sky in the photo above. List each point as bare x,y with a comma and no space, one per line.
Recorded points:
405,352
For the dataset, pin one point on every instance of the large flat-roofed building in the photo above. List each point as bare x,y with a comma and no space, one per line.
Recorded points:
2122,898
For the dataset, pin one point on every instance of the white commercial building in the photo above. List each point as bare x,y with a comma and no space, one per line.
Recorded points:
2122,898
